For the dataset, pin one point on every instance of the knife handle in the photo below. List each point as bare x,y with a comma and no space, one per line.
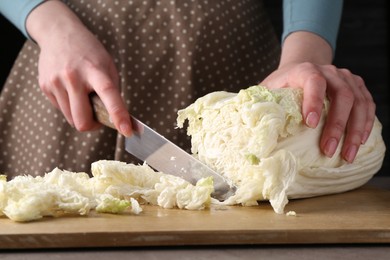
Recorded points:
100,111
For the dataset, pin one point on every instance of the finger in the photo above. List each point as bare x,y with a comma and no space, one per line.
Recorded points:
112,100
313,99
80,106
309,77
82,112
370,108
370,122
62,99
46,88
341,100
357,119
354,133
53,100
361,120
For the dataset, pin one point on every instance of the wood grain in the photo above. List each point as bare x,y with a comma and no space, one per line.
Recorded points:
359,216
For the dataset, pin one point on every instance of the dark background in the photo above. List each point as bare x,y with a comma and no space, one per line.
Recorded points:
361,47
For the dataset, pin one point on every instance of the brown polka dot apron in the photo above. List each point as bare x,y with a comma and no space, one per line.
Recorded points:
168,53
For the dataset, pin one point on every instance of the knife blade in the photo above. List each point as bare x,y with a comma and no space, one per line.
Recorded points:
163,155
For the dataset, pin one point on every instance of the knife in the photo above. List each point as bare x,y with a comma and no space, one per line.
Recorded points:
163,155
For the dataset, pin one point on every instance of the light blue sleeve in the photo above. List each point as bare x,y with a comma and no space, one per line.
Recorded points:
321,17
16,11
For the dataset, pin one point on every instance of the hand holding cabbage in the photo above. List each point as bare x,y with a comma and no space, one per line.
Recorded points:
257,139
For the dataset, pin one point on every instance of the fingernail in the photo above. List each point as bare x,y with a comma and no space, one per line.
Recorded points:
125,129
312,119
330,147
351,153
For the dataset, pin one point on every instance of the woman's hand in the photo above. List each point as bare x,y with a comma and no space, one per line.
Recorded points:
352,109
72,64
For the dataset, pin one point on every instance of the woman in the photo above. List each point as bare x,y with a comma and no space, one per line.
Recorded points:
151,58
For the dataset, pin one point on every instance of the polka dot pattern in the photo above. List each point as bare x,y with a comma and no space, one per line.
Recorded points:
168,53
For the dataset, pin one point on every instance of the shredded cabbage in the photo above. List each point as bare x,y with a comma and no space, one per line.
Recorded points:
116,187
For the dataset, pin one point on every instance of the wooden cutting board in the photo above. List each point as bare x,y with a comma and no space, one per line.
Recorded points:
359,216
